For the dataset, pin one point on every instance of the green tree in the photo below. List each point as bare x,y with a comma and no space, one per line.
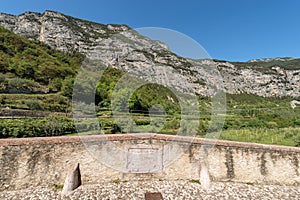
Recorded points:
67,87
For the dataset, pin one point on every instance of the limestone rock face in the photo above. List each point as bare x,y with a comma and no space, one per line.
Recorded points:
72,181
124,48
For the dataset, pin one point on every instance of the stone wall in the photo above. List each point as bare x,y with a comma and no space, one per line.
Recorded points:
46,161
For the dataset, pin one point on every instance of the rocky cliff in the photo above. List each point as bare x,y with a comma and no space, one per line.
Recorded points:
124,48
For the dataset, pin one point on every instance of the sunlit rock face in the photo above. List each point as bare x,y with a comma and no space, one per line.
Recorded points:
121,47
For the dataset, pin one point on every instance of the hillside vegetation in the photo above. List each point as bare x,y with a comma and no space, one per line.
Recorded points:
36,85
266,65
30,67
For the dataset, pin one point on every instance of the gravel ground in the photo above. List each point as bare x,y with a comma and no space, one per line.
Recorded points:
170,190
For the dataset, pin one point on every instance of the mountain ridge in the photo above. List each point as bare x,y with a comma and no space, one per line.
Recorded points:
123,48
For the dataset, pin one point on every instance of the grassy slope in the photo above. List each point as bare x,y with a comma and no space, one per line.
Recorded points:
252,118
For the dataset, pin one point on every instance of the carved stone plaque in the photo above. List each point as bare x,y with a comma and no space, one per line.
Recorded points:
144,160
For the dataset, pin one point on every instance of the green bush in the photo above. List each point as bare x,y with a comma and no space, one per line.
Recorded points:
142,121
34,105
53,125
297,141
2,78
67,87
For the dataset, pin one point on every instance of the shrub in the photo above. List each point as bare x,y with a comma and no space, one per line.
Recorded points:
297,141
33,105
53,125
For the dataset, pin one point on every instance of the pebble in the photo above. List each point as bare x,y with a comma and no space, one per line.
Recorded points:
171,190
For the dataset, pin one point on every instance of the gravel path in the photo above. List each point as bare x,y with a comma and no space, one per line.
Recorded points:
170,190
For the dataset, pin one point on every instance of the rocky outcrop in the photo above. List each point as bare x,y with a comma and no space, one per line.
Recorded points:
122,47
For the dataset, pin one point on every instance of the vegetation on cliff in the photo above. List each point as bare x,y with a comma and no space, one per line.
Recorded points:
35,77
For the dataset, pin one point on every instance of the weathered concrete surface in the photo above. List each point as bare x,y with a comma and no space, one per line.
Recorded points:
45,162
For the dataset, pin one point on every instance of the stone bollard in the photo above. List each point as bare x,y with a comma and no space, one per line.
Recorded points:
73,181
204,176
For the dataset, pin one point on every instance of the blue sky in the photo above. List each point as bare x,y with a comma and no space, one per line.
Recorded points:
235,30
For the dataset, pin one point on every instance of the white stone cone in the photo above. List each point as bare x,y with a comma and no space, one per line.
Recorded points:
204,176
72,181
